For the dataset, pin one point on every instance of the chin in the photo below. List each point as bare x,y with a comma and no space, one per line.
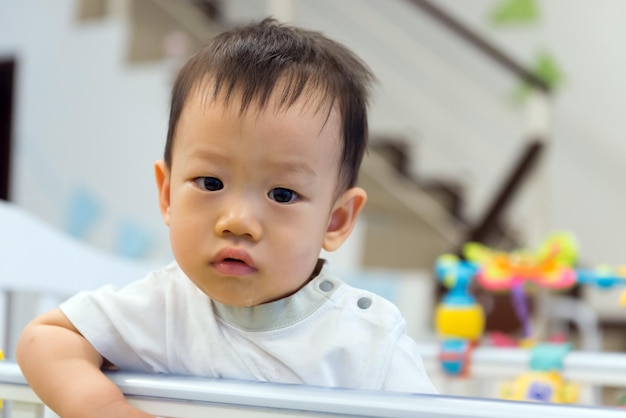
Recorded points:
239,301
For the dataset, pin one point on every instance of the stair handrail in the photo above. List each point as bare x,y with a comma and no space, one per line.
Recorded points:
485,47
529,157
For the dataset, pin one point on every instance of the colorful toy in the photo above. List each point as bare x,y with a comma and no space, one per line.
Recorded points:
459,318
551,266
544,382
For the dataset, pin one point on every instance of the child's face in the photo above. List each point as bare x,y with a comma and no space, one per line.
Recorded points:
252,198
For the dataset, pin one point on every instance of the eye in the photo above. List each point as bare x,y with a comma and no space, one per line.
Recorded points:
210,184
282,195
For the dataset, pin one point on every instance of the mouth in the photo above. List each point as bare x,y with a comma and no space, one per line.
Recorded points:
233,262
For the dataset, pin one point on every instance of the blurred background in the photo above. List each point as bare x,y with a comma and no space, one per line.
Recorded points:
493,120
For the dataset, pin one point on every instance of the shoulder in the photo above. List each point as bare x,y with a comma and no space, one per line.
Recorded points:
363,306
381,330
369,304
370,333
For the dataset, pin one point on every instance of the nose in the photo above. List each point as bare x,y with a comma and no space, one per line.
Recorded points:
239,218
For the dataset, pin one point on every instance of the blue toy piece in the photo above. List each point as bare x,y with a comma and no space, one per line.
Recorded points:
604,277
454,356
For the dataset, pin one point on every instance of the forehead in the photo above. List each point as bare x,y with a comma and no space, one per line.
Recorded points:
309,117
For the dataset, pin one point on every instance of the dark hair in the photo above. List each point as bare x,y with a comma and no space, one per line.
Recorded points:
249,61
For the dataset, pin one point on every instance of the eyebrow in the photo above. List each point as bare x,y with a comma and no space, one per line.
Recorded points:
293,167
281,165
204,154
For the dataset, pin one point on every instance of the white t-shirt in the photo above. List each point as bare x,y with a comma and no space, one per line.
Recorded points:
326,334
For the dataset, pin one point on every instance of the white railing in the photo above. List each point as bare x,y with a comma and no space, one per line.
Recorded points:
583,367
171,396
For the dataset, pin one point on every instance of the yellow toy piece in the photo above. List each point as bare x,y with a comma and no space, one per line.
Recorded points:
527,343
537,386
461,321
459,315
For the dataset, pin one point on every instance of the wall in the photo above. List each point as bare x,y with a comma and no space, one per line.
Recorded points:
88,126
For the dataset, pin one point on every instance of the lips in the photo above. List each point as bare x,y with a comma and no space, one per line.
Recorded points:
233,262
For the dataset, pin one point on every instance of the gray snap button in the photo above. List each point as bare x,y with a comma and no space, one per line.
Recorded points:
364,303
326,286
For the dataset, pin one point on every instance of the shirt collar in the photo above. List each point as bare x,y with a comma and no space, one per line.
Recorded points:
283,312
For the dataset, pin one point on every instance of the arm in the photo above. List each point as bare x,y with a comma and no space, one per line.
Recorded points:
64,371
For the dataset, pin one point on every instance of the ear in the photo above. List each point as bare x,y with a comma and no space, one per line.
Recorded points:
343,217
162,176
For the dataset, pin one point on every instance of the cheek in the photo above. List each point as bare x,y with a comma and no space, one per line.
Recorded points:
301,243
294,267
185,234
179,242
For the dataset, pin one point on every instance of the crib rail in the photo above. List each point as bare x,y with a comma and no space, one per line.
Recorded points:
583,367
181,397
